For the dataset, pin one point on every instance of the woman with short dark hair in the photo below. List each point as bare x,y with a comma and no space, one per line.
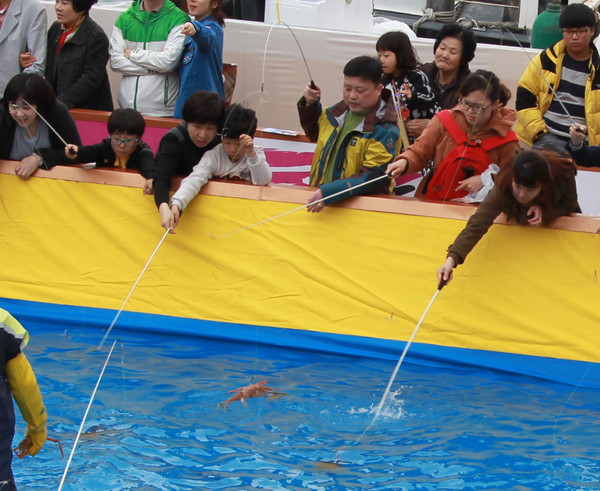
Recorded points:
77,57
454,48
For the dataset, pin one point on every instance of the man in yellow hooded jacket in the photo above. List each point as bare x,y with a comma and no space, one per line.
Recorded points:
561,86
17,378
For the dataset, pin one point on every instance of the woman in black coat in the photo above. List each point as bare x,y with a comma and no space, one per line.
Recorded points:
77,57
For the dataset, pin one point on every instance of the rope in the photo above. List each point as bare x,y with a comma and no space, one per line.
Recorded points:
132,288
64,476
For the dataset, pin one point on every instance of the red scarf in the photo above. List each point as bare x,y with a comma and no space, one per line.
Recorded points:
66,34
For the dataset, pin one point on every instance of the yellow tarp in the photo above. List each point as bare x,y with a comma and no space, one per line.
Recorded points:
523,290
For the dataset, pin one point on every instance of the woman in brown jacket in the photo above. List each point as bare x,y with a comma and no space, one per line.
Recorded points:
481,113
536,189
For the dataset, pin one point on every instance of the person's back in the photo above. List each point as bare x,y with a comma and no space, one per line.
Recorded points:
17,380
356,138
23,30
146,46
561,86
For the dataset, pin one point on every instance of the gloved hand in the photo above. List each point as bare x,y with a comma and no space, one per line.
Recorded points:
23,385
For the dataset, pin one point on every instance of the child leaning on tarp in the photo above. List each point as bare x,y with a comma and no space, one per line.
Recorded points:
17,378
235,157
123,149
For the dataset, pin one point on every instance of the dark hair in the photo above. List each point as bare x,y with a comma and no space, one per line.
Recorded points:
365,67
488,82
398,43
533,168
218,13
577,15
203,107
127,120
34,89
238,120
466,36
83,6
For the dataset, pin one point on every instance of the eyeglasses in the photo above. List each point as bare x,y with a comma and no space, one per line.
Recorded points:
569,33
15,106
475,107
127,142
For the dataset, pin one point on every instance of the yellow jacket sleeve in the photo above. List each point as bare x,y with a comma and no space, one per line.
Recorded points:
24,387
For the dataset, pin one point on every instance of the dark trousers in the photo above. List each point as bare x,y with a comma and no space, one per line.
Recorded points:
7,433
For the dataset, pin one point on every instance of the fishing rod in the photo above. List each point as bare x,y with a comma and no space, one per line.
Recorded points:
266,220
69,148
132,288
381,404
556,96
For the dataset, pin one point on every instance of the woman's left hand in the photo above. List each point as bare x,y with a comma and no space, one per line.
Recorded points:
471,185
534,215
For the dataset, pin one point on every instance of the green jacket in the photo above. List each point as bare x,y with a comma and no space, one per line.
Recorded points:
150,81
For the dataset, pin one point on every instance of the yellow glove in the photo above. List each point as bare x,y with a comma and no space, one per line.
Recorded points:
23,385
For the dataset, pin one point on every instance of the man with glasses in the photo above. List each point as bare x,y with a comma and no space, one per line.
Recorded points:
561,86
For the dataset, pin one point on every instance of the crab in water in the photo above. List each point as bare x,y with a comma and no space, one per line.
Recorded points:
249,391
23,449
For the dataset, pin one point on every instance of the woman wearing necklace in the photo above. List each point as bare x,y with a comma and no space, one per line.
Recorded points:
453,49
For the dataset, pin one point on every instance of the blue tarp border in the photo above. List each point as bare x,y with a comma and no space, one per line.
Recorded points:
61,317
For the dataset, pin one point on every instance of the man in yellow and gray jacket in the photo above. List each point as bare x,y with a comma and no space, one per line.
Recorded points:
561,86
356,138
17,378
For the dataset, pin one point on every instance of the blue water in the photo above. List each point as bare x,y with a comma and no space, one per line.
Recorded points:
155,424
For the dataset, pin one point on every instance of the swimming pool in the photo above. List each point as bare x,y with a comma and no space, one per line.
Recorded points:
155,425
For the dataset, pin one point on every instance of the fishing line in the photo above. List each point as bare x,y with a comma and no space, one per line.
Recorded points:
299,47
132,288
266,220
33,142
543,77
64,476
395,372
71,151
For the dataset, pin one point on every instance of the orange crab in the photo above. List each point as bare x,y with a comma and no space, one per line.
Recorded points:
249,391
23,449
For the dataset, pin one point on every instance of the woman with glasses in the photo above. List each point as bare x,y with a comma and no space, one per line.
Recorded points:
481,117
34,125
124,148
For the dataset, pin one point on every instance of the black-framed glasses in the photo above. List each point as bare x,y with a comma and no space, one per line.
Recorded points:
128,142
474,106
569,33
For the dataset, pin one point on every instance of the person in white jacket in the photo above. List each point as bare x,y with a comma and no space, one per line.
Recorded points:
146,46
236,157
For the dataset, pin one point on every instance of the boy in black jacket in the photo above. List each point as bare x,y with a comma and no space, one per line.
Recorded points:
124,148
